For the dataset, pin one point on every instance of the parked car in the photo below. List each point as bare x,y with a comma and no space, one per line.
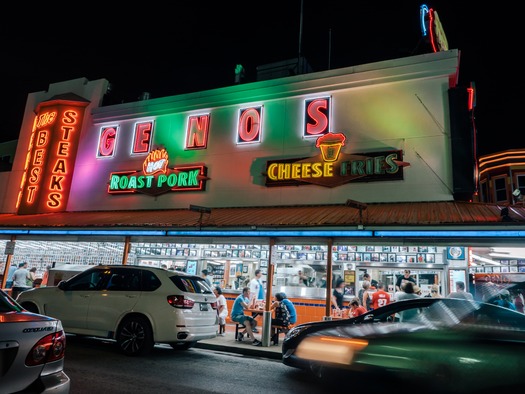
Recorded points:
136,306
32,351
435,344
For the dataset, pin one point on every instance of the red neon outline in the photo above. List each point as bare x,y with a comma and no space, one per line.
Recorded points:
202,125
247,134
145,130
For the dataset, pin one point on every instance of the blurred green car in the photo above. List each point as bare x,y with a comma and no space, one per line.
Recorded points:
440,345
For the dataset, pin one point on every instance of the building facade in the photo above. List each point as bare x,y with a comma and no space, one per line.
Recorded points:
334,173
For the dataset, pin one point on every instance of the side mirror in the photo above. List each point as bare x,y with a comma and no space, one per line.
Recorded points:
62,285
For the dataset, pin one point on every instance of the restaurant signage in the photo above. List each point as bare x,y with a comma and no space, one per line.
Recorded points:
156,177
333,168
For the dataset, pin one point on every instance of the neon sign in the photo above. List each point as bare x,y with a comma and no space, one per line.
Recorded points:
333,168
157,178
50,157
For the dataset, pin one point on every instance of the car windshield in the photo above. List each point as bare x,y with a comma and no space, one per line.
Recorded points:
191,284
7,304
449,313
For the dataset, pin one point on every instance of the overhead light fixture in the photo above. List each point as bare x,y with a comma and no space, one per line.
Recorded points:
357,205
201,210
517,195
484,260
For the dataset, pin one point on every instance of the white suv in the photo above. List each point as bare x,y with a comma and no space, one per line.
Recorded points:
137,306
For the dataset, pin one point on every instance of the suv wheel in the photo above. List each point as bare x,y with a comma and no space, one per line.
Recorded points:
134,336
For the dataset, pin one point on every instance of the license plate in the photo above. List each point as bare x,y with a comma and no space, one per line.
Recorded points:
204,307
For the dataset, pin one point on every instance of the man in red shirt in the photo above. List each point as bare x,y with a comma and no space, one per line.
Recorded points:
355,308
380,297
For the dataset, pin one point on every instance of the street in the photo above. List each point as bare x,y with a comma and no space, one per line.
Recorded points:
95,366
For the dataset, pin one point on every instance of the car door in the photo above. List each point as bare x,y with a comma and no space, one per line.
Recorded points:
118,294
71,301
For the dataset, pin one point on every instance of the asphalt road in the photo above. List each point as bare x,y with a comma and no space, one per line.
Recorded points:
95,366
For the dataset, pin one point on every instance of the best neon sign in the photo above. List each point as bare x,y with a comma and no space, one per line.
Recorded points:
50,157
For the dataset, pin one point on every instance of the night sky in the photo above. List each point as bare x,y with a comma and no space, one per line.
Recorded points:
188,46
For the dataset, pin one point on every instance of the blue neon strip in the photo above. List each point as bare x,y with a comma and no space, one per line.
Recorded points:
274,233
98,232
473,234
14,232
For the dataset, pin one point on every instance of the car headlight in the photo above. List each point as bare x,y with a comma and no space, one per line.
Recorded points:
329,349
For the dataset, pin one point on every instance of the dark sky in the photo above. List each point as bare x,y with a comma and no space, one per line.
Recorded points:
169,48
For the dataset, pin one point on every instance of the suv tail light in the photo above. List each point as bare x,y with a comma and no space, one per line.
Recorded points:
180,302
50,348
214,305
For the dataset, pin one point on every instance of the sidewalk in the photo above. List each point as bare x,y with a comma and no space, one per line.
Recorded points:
227,343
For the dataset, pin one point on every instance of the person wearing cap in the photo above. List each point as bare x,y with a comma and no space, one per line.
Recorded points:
404,278
504,300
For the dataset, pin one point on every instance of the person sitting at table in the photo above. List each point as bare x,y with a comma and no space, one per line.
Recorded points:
285,314
356,309
237,315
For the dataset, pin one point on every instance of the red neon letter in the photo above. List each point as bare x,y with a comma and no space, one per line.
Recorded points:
106,145
197,133
142,137
320,121
249,125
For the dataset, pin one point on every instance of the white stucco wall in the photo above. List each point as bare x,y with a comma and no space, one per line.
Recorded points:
400,104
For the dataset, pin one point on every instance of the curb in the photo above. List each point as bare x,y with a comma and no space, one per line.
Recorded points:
247,350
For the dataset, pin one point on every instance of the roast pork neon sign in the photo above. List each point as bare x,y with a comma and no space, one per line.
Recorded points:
157,178
333,168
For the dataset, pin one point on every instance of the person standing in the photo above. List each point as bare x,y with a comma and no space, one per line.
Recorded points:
32,276
45,276
404,278
11,272
256,287
460,292
504,300
518,300
205,275
434,292
408,293
222,310
338,295
380,297
20,278
364,295
303,279
238,316
373,282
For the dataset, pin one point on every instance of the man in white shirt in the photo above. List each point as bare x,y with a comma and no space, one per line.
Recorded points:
256,290
460,292
256,287
20,278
